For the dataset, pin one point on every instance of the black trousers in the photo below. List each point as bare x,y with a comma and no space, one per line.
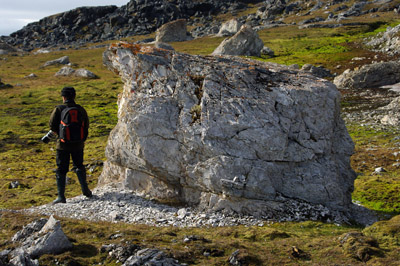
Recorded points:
63,158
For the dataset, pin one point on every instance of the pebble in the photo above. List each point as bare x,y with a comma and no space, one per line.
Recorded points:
115,204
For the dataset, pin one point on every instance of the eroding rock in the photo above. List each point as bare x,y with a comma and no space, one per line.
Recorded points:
227,133
244,42
370,76
174,31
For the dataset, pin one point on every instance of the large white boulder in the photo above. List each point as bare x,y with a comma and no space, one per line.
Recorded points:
226,133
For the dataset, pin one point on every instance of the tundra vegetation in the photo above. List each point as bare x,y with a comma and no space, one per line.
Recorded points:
25,110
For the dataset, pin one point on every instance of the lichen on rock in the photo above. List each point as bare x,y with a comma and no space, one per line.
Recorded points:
263,135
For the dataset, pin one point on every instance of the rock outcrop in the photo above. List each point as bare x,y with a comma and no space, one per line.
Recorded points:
226,133
370,76
174,31
245,42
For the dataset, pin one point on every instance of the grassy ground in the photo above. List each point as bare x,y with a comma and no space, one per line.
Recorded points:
25,110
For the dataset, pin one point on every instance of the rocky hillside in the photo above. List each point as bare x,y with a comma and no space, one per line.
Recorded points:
138,17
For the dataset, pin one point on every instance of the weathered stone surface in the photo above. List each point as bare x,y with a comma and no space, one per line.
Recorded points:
59,61
370,76
174,31
226,133
229,28
245,42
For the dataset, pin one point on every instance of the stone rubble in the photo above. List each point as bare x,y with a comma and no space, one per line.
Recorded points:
112,203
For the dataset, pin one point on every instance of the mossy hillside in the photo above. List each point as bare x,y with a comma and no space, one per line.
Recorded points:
271,244
25,111
24,114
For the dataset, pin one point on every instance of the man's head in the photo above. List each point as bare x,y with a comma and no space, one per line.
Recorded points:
68,93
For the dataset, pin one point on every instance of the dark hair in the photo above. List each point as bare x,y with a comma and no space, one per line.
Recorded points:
68,92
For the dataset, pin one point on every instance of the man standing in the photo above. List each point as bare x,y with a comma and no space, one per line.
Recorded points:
70,121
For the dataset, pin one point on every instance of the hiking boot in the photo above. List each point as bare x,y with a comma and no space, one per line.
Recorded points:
60,178
81,173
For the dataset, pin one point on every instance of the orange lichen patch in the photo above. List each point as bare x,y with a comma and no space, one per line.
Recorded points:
135,48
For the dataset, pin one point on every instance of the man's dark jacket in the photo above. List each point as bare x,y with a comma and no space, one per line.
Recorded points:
55,120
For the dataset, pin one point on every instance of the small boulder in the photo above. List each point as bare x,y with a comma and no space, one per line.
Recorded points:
245,42
174,31
229,27
31,76
65,71
369,76
149,256
318,71
49,239
60,61
84,73
267,51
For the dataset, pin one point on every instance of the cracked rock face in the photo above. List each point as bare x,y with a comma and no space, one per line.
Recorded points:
226,133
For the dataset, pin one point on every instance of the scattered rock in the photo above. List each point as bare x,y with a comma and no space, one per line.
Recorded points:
120,252
245,42
229,28
370,76
379,170
174,31
60,61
